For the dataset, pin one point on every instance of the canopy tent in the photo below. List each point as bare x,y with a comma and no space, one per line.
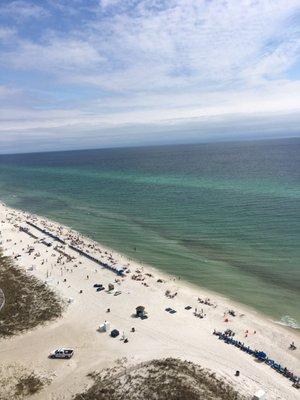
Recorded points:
104,327
259,395
119,269
140,311
261,355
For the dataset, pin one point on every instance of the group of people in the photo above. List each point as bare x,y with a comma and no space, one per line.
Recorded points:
170,295
207,302
260,355
199,314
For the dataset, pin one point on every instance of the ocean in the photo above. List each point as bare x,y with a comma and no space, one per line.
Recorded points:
224,216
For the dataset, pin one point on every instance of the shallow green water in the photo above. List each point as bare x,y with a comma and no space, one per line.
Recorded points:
224,216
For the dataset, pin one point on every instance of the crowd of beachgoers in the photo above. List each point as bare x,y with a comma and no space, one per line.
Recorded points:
80,269
228,337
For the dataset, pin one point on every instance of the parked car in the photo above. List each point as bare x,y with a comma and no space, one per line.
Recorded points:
62,353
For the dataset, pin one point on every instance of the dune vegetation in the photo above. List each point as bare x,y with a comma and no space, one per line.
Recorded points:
166,379
26,301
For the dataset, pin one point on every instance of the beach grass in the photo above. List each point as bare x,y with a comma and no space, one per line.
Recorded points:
166,379
28,301
29,385
18,382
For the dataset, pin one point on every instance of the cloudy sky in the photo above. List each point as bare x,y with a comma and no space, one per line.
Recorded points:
103,73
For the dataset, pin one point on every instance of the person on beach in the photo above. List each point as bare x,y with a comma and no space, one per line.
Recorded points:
292,346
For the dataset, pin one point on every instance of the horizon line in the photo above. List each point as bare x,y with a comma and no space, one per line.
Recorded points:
229,140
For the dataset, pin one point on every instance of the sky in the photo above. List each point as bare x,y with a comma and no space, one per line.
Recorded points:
109,73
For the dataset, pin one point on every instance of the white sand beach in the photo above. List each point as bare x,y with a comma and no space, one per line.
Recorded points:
162,334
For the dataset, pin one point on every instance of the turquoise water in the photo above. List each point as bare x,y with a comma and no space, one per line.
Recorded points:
224,216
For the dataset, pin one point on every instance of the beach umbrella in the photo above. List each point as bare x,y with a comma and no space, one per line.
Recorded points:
261,355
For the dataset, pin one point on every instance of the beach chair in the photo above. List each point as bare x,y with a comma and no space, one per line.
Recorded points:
270,362
275,366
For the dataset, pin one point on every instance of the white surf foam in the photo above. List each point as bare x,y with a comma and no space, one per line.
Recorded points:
287,320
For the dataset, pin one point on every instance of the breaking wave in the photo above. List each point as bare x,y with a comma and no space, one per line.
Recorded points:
286,320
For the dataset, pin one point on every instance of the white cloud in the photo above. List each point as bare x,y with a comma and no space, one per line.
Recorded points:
276,62
6,33
158,110
109,3
8,92
193,43
187,41
160,62
22,9
54,55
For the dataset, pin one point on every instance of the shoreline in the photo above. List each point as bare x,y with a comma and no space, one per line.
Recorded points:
182,282
181,335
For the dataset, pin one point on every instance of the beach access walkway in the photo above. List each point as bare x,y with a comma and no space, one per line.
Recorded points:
117,270
2,299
